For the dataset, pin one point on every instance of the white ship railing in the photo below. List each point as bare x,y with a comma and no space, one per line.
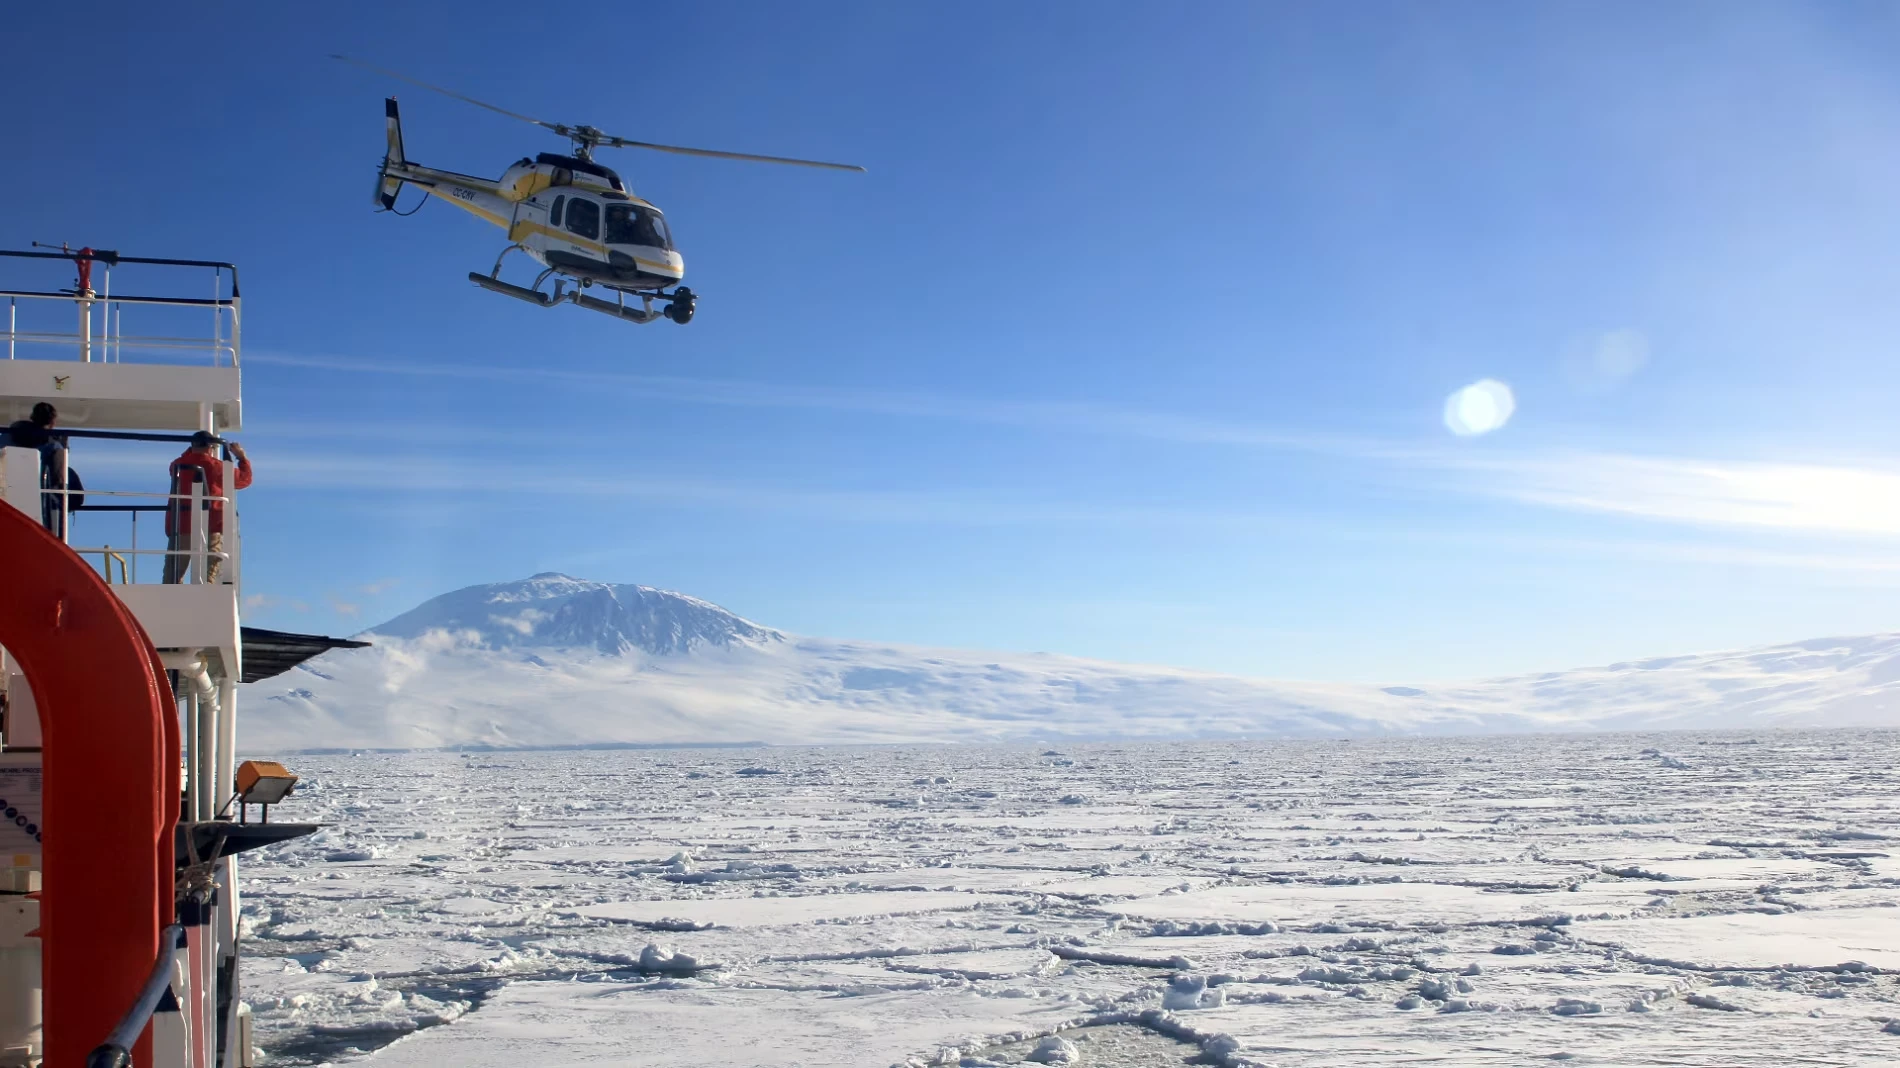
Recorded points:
99,335
197,550
60,505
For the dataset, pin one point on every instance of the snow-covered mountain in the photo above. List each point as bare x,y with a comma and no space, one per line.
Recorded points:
566,613
554,660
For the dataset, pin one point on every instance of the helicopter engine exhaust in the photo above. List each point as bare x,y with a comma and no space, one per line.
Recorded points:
387,186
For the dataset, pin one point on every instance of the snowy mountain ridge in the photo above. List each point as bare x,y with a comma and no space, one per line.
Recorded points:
555,660
552,609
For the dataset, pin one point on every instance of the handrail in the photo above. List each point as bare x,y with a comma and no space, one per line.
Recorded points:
134,341
111,258
215,554
125,435
121,507
116,1050
161,351
156,341
182,302
106,556
110,346
50,492
200,551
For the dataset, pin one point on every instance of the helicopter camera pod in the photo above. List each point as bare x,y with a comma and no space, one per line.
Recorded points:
680,309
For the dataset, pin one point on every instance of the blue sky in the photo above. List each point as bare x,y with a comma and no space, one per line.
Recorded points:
1133,343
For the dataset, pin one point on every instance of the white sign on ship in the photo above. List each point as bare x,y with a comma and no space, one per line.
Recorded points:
19,810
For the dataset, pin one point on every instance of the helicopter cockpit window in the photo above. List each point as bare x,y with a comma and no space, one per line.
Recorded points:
583,218
554,216
628,224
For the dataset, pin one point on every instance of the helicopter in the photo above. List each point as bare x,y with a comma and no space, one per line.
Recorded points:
568,213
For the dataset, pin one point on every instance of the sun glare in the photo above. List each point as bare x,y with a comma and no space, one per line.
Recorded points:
1479,408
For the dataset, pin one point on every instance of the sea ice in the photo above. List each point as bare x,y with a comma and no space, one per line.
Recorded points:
1055,1050
1301,904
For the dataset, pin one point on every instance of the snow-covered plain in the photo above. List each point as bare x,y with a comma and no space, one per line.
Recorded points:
554,660
1666,899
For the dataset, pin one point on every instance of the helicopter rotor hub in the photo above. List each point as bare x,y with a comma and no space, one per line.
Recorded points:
586,139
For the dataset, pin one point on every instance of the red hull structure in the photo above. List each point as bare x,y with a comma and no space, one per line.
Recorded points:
111,755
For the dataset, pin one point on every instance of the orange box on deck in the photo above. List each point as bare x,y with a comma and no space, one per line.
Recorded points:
252,772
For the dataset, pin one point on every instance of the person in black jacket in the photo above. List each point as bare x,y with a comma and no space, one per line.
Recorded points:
36,432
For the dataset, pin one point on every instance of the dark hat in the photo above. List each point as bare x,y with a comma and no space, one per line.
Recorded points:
203,439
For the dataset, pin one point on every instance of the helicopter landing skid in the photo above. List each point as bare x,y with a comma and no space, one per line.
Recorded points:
532,296
645,314
679,309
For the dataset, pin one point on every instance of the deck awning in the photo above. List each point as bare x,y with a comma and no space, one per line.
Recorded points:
269,653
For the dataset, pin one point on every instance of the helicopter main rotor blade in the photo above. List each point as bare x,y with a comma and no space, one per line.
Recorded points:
587,136
555,126
621,142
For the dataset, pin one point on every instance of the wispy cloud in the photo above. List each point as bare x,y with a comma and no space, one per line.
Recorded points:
366,481
1841,499
1545,483
1074,416
1859,497
261,602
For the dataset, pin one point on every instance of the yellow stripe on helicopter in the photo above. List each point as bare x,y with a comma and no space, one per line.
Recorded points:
469,205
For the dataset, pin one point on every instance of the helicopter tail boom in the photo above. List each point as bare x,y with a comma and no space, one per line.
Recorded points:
388,185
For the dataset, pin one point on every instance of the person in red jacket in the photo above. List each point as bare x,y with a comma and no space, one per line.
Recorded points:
200,461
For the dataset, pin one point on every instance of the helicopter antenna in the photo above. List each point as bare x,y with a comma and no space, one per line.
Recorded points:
587,138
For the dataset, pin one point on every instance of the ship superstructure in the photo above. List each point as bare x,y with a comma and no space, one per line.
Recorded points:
99,485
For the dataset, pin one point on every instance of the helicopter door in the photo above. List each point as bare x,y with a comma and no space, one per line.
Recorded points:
583,221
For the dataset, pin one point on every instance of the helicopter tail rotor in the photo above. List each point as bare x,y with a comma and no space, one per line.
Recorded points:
387,186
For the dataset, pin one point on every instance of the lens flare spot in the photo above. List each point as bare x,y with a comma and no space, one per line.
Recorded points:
1479,408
